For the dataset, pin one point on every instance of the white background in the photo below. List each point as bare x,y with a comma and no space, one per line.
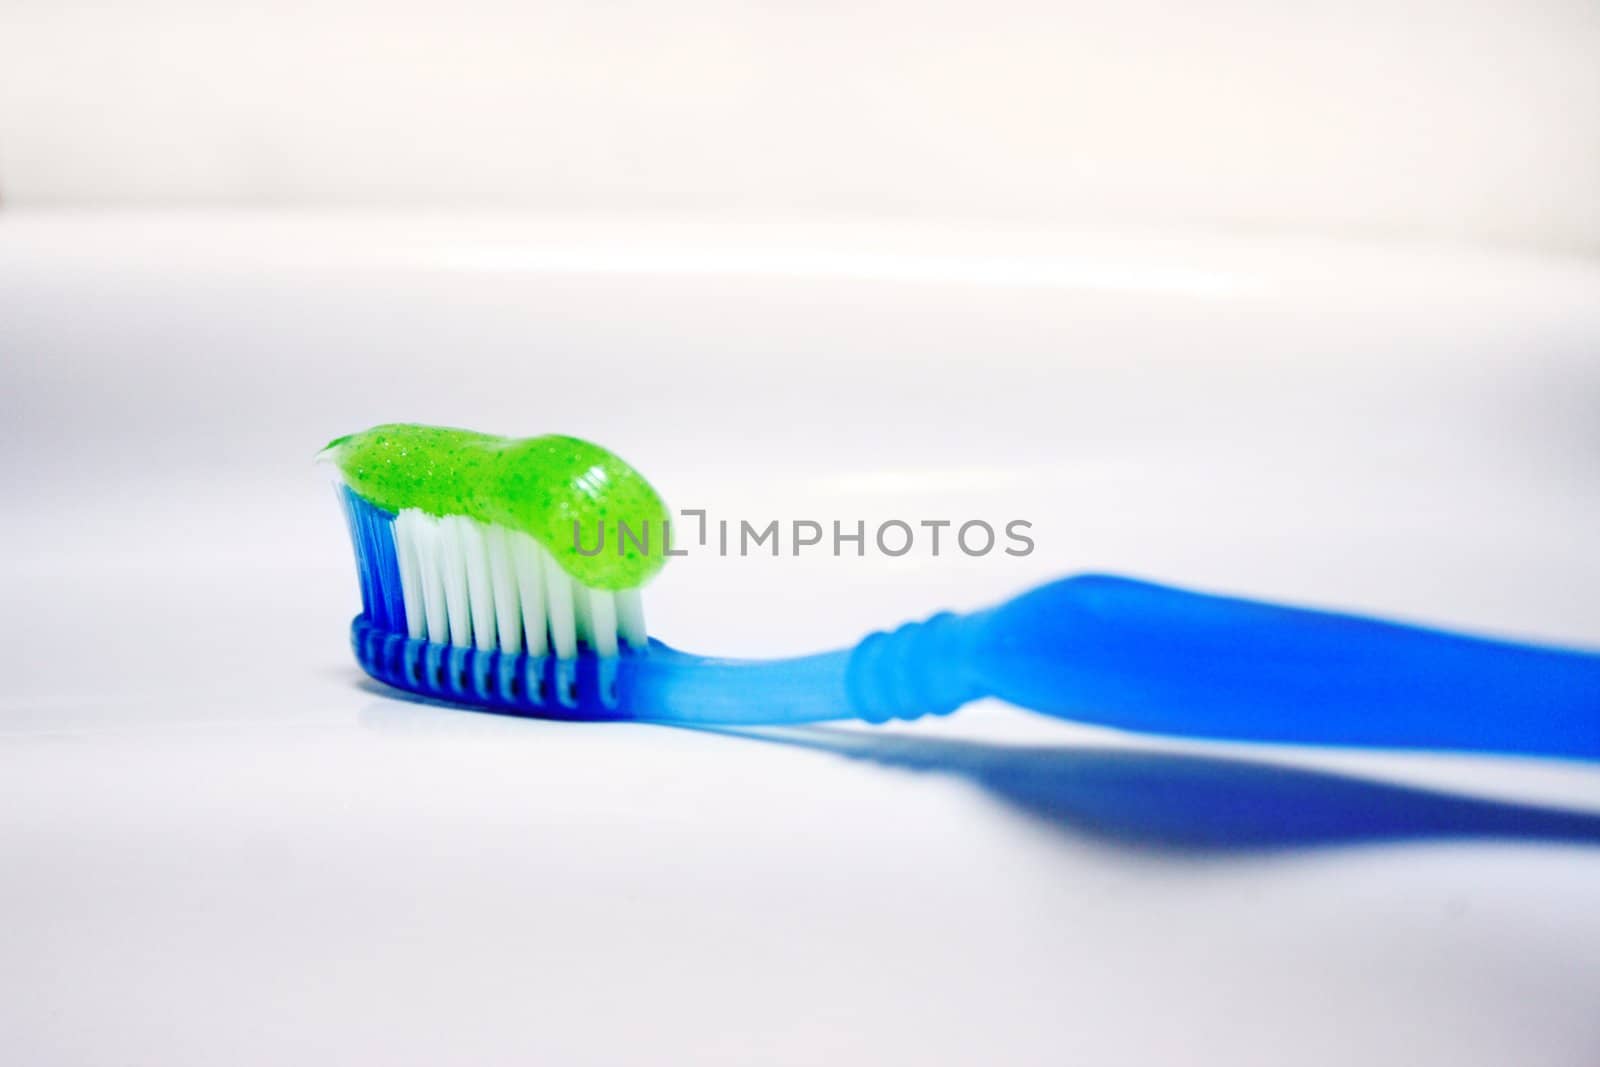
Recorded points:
1293,304
1472,119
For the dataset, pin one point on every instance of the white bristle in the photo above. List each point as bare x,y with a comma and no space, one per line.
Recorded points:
475,584
480,590
630,618
405,547
526,560
580,615
453,556
503,575
603,621
424,531
558,606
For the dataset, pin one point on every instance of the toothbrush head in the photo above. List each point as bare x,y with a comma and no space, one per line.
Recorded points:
497,572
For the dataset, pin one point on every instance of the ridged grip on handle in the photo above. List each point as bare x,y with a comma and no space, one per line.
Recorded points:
921,668
1138,656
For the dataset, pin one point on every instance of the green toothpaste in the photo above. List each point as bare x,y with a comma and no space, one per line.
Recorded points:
550,487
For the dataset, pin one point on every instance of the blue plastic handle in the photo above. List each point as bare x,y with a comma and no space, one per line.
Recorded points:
1144,657
1138,656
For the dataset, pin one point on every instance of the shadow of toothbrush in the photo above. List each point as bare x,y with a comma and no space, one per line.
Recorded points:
1197,803
1163,800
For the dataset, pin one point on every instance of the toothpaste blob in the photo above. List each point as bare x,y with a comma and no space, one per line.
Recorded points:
563,491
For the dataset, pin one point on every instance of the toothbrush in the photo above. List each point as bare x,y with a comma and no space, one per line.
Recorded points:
475,591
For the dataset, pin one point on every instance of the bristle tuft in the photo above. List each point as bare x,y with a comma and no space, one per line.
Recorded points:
476,585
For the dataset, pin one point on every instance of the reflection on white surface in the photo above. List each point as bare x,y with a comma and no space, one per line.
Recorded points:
1050,272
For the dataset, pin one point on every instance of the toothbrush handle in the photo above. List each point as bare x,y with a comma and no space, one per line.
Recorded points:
1144,657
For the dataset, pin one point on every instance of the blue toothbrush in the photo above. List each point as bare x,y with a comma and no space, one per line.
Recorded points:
447,614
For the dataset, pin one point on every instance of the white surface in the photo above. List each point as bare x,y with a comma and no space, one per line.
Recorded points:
221,845
1472,120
